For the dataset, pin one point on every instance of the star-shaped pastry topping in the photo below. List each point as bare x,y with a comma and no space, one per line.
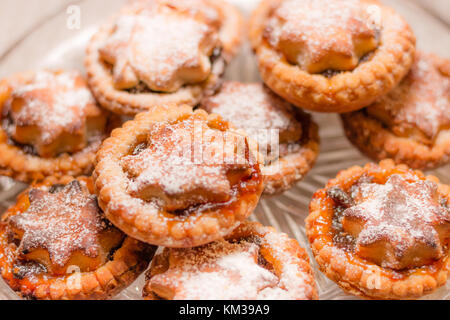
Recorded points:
188,163
161,46
321,35
421,101
61,221
54,112
220,270
399,224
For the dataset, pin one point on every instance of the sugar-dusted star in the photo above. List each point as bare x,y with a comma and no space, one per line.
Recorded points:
61,222
50,107
187,163
320,35
161,47
399,224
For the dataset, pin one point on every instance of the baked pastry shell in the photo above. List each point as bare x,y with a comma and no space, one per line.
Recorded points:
282,174
25,167
100,78
376,141
133,219
250,229
128,262
354,274
346,91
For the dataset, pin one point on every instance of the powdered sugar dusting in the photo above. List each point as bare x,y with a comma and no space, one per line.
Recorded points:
400,212
227,271
52,102
60,222
253,108
237,276
421,100
185,163
311,31
198,8
160,46
293,279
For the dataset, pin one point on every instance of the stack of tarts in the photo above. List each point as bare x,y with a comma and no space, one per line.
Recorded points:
173,177
188,170
357,58
381,231
151,185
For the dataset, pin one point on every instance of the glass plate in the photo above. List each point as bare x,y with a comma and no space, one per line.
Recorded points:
52,44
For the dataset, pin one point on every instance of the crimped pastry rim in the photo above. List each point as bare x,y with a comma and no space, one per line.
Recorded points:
374,282
26,167
294,166
130,260
374,140
252,228
109,182
121,102
346,91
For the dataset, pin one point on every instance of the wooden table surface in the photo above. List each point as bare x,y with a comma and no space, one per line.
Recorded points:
17,17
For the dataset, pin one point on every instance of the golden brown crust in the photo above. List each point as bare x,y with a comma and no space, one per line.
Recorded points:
408,113
27,167
279,251
127,263
147,222
122,102
418,106
377,142
354,274
287,170
345,91
254,108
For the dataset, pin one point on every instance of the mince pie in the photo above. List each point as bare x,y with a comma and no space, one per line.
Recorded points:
178,178
331,55
252,263
50,125
156,52
411,124
56,244
382,231
287,137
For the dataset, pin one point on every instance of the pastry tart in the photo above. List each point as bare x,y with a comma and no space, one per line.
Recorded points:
288,139
331,55
382,231
50,125
55,244
412,123
252,263
178,178
156,52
